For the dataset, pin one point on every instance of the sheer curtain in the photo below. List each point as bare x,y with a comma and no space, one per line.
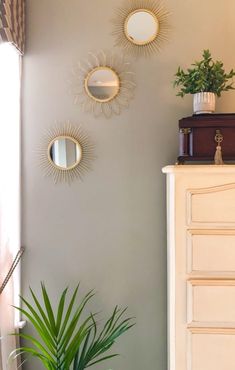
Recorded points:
9,194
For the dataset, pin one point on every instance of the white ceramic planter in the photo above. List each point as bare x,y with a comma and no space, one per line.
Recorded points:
203,102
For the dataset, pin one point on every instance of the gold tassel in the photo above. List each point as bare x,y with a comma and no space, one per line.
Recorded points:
218,155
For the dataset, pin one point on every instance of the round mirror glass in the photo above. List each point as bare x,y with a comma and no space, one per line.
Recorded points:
65,152
141,27
102,84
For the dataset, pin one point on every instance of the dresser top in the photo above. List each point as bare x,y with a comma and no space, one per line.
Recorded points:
200,168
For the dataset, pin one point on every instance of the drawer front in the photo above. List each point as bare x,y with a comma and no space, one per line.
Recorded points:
211,206
211,251
211,302
212,351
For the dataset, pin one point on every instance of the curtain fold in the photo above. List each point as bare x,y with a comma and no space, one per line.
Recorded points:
12,37
9,197
12,23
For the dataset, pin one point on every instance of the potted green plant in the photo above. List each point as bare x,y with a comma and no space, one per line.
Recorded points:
205,80
67,336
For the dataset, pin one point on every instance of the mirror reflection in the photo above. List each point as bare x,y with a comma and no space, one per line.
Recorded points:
65,152
102,84
141,27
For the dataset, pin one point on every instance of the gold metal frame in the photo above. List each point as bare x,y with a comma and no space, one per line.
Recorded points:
126,26
123,14
87,88
71,173
99,107
49,152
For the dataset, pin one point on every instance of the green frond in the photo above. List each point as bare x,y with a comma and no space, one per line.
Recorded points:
60,311
48,308
65,339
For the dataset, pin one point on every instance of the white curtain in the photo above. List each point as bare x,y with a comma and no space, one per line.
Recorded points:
9,195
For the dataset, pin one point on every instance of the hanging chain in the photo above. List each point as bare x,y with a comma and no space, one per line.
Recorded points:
12,268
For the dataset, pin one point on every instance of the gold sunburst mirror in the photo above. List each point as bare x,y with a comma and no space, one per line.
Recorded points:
104,84
141,26
66,153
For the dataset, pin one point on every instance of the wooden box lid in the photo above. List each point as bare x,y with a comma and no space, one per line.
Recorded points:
208,120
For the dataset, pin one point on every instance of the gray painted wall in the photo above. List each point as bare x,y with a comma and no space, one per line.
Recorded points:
109,230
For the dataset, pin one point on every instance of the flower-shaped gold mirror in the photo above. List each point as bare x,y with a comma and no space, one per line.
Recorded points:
141,26
66,153
103,84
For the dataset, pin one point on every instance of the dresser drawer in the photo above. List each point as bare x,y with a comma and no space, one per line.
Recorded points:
212,350
211,301
211,206
211,251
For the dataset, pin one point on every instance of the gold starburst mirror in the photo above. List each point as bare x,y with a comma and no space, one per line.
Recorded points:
141,26
141,35
66,153
103,84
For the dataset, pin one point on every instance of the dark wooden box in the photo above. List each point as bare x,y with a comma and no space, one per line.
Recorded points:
197,137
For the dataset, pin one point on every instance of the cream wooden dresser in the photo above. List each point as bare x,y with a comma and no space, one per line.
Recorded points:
201,267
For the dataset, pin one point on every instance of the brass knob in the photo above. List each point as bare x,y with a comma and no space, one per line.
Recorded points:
218,137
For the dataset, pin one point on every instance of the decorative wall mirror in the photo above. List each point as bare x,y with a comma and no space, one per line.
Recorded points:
103,84
141,26
66,153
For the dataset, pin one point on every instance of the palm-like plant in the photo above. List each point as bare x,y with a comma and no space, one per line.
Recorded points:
64,338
